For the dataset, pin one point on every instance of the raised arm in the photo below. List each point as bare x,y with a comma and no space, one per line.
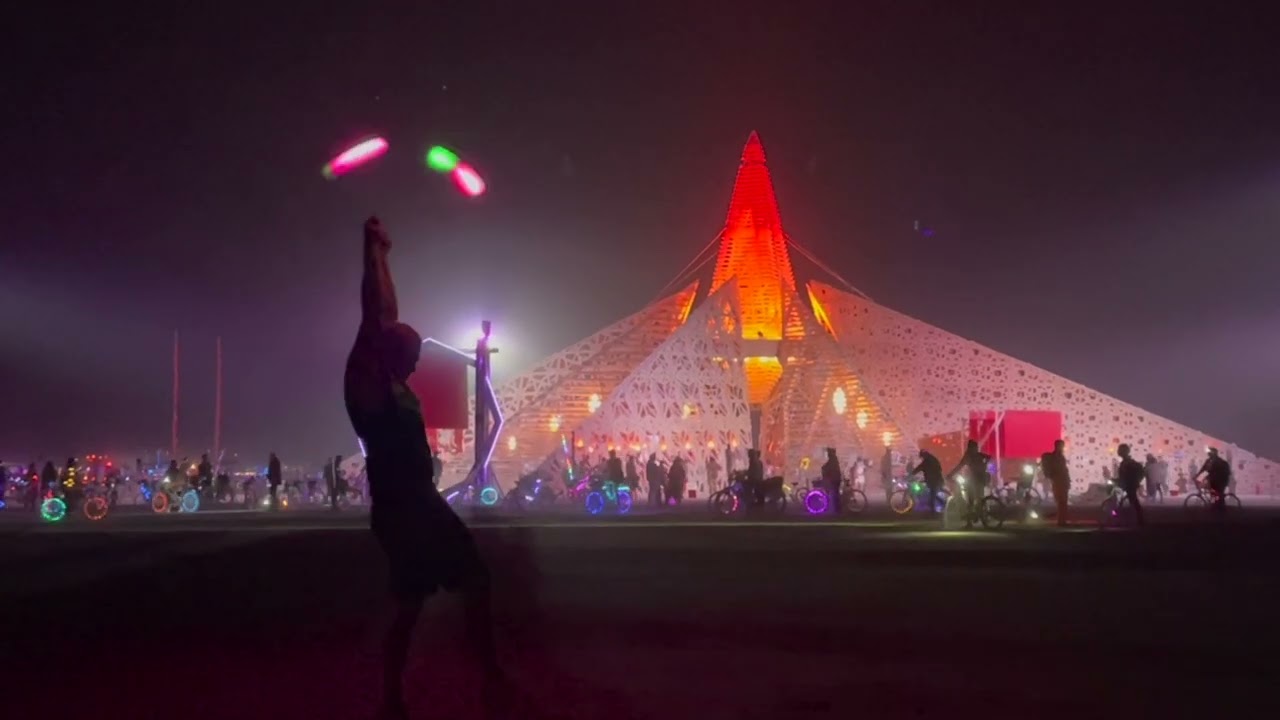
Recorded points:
377,292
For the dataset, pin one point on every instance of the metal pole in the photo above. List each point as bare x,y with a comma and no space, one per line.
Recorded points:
173,429
217,400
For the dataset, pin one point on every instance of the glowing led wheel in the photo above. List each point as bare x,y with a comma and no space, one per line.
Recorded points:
724,502
901,501
816,502
53,510
190,501
96,508
160,502
489,496
624,500
595,502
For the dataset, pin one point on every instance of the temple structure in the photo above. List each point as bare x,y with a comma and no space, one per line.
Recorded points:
748,355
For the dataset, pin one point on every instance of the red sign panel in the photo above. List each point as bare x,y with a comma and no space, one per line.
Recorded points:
1020,434
440,382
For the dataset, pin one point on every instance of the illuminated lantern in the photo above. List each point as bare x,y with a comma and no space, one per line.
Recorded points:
593,403
862,419
511,443
839,401
887,437
554,423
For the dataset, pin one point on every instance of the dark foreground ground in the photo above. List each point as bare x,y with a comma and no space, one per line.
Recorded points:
255,616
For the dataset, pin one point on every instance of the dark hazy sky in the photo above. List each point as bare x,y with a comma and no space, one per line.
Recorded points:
1112,173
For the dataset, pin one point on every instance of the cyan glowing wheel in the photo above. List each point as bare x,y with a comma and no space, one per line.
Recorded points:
595,502
160,502
96,508
489,496
53,510
610,491
624,500
190,501
816,502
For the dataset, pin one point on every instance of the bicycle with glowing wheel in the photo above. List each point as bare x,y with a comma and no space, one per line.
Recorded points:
741,497
606,494
989,511
909,495
167,498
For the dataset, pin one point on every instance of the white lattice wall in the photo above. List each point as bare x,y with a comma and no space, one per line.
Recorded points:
929,380
560,387
687,398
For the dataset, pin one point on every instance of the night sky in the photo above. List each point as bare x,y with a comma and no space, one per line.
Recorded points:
1111,176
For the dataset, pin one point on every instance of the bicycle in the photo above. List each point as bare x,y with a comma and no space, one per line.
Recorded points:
906,497
737,497
1206,496
990,510
1116,509
852,500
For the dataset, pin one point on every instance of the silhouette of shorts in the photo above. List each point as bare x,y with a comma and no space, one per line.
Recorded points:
426,548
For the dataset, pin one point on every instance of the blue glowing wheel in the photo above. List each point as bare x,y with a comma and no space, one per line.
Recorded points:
489,496
595,502
53,510
816,502
624,500
190,501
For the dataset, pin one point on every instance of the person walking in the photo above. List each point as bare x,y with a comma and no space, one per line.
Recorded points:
274,477
1129,476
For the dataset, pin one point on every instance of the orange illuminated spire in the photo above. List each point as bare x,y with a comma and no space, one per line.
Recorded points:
753,248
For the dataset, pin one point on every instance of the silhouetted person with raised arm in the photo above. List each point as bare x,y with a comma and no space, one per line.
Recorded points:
931,468
1129,476
832,478
1058,471
426,544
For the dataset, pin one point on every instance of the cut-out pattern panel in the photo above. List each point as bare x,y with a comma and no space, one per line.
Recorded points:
929,380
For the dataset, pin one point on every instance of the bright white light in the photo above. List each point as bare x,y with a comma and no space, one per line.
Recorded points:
686,410
1028,470
511,443
593,403
862,419
887,437
1034,515
554,423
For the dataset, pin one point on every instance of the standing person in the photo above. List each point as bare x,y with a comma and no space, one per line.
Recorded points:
832,478
204,473
886,472
339,483
71,484
653,475
931,468
676,479
32,500
1129,477
631,474
613,471
1154,470
713,472
274,477
1058,471
427,545
437,467
755,478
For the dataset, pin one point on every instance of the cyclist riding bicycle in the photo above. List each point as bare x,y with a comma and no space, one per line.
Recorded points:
833,479
1218,473
974,464
931,468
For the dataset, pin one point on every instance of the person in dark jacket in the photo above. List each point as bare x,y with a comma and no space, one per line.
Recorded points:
613,471
832,478
631,474
755,478
274,477
1058,471
676,480
1129,476
654,476
974,463
1218,473
931,468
